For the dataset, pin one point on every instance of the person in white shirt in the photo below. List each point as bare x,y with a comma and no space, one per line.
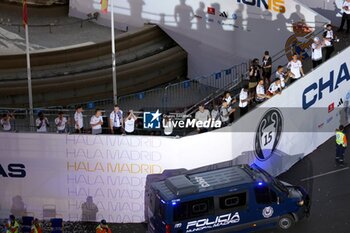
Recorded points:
215,113
168,125
280,75
78,119
202,115
260,92
60,123
116,123
42,123
96,122
296,68
346,16
316,52
329,38
225,112
275,88
130,122
230,102
5,122
244,100
228,98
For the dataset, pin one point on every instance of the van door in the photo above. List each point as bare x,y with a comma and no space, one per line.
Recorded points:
268,209
193,216
156,215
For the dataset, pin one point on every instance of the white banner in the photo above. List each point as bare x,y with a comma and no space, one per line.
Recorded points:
216,34
86,177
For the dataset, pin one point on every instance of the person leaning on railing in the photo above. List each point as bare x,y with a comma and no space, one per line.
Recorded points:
96,122
60,123
5,121
78,119
116,122
42,123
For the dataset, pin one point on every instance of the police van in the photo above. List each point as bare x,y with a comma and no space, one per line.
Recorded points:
238,198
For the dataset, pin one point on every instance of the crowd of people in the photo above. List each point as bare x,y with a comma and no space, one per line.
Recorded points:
263,84
12,225
117,123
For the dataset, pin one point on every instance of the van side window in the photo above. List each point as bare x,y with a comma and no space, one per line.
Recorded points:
193,209
262,195
233,201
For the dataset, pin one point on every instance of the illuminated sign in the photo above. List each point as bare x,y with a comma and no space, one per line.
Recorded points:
271,5
204,224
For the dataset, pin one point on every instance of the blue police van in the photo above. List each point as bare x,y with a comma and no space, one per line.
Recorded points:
239,198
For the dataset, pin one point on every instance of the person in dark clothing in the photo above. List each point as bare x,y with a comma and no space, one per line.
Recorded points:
346,16
267,68
254,77
329,39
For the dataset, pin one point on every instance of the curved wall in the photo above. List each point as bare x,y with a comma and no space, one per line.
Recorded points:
49,172
146,59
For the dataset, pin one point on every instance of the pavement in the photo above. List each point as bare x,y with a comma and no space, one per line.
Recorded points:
329,187
67,31
327,183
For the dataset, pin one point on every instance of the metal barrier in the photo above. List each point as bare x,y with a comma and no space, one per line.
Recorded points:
179,96
167,99
174,96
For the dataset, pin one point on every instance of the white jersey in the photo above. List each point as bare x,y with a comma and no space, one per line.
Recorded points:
202,116
329,35
274,87
295,68
316,54
78,118
94,120
260,90
281,77
130,125
42,125
6,125
243,95
116,118
346,7
168,127
61,123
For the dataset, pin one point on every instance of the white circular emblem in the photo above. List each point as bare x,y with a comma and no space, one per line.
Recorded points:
267,212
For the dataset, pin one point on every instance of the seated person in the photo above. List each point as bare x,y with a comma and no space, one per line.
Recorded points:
225,112
275,88
228,98
260,92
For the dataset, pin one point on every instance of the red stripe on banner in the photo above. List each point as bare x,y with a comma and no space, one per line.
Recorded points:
25,13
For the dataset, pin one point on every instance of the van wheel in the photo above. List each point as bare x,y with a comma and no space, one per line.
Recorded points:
286,222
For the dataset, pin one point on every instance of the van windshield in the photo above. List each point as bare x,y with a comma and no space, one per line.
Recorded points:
278,184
